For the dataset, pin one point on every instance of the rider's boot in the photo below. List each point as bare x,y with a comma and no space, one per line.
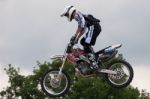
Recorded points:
94,65
91,56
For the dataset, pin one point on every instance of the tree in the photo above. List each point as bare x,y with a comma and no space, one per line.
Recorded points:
27,87
144,95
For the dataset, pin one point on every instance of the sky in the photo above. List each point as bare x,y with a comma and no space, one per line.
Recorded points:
32,30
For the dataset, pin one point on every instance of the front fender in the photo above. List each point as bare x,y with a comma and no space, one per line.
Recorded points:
55,57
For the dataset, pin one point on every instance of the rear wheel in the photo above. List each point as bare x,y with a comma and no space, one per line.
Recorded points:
54,87
124,74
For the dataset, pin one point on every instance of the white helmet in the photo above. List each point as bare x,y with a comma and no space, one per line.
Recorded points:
68,11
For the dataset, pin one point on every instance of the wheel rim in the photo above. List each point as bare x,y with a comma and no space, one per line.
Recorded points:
122,76
53,86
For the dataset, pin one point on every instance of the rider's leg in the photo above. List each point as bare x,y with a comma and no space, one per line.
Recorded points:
86,47
89,40
90,53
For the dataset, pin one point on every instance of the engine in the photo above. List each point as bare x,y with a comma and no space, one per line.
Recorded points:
84,67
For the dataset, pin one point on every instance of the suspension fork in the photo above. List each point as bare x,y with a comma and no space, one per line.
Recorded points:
61,68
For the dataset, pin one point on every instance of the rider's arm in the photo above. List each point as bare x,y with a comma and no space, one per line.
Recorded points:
79,32
81,25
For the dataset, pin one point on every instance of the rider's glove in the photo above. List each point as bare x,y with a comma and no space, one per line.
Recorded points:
76,41
72,40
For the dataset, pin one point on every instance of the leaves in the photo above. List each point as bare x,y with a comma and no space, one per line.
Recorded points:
27,87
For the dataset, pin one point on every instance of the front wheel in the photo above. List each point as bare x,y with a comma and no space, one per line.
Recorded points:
54,87
124,74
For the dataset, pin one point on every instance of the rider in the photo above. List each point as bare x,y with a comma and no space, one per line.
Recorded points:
87,24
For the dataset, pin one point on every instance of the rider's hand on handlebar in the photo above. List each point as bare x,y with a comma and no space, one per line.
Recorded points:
76,41
73,40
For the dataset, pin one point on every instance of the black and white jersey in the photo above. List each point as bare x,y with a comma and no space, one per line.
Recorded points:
90,32
80,19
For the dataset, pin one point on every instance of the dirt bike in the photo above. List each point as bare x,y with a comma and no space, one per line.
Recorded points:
118,73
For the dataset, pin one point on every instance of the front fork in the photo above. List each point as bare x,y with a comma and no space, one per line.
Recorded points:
58,78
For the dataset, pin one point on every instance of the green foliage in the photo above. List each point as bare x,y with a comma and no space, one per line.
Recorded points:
144,95
27,87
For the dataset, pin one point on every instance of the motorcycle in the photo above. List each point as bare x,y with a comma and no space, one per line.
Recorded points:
118,73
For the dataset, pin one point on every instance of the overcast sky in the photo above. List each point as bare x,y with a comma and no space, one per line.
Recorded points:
32,30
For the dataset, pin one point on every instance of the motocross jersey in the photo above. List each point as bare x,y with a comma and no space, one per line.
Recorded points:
91,31
80,20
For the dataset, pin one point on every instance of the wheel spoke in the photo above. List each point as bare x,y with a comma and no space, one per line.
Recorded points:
52,86
122,76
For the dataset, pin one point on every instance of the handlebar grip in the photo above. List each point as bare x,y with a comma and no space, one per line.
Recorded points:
69,48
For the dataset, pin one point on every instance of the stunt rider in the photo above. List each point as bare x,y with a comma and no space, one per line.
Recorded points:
87,25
